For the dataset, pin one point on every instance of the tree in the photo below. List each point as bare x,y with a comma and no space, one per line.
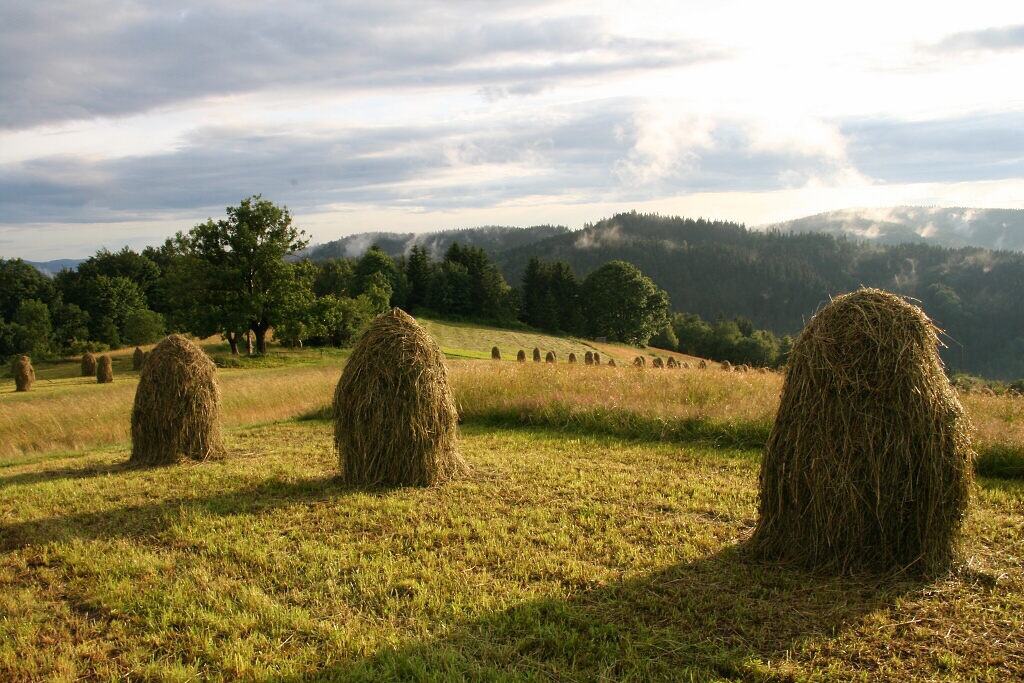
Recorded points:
418,271
20,281
334,277
33,331
622,304
239,263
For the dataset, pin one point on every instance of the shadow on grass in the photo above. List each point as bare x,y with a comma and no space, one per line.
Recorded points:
718,617
79,472
150,519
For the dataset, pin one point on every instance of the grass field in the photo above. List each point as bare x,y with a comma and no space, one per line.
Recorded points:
598,537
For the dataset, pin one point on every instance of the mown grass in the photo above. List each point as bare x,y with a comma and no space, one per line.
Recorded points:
558,558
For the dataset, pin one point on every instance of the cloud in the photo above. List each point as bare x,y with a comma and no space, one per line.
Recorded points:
73,60
995,39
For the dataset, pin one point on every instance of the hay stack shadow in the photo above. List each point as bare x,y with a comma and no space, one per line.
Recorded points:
395,420
869,466
176,415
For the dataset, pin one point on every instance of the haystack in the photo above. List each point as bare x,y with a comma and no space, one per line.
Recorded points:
550,357
671,363
521,356
536,355
658,363
702,365
611,362
24,374
572,357
137,358
588,358
177,406
639,362
88,365
726,366
394,417
869,464
597,358
685,365
104,370
495,353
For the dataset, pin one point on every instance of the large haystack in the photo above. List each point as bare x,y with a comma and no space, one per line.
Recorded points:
394,417
536,355
177,406
869,464
495,353
24,374
137,358
88,365
104,370
521,356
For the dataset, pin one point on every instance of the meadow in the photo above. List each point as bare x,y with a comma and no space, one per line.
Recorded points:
599,536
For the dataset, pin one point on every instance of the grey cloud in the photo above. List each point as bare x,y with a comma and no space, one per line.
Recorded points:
970,148
996,39
71,60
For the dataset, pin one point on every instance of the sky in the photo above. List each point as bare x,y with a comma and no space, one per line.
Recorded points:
123,121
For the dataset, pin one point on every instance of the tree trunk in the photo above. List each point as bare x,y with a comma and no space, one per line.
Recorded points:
248,341
232,338
261,339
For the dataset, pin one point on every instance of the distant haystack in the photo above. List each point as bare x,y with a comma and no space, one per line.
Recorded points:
24,374
88,365
702,365
597,358
685,365
521,356
611,362
672,363
176,416
726,366
536,355
639,362
869,464
495,353
394,417
572,357
658,363
550,357
137,358
588,358
104,370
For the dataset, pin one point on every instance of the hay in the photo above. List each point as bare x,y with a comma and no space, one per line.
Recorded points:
24,374
639,362
495,353
702,365
137,358
521,356
726,366
394,417
88,365
572,357
611,362
685,365
176,416
597,358
763,371
536,355
104,370
550,357
672,363
658,363
869,464
588,358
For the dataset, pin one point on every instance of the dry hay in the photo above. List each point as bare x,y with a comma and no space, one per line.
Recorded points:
176,416
495,353
702,365
88,365
685,365
572,357
536,355
597,358
104,370
521,356
24,374
137,358
588,358
639,362
743,368
672,363
658,363
869,464
763,371
395,419
726,366
550,357
611,362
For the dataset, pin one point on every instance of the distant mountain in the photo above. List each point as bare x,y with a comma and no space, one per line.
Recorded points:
51,268
489,238
997,229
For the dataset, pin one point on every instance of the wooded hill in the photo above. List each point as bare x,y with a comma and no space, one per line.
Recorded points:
778,280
